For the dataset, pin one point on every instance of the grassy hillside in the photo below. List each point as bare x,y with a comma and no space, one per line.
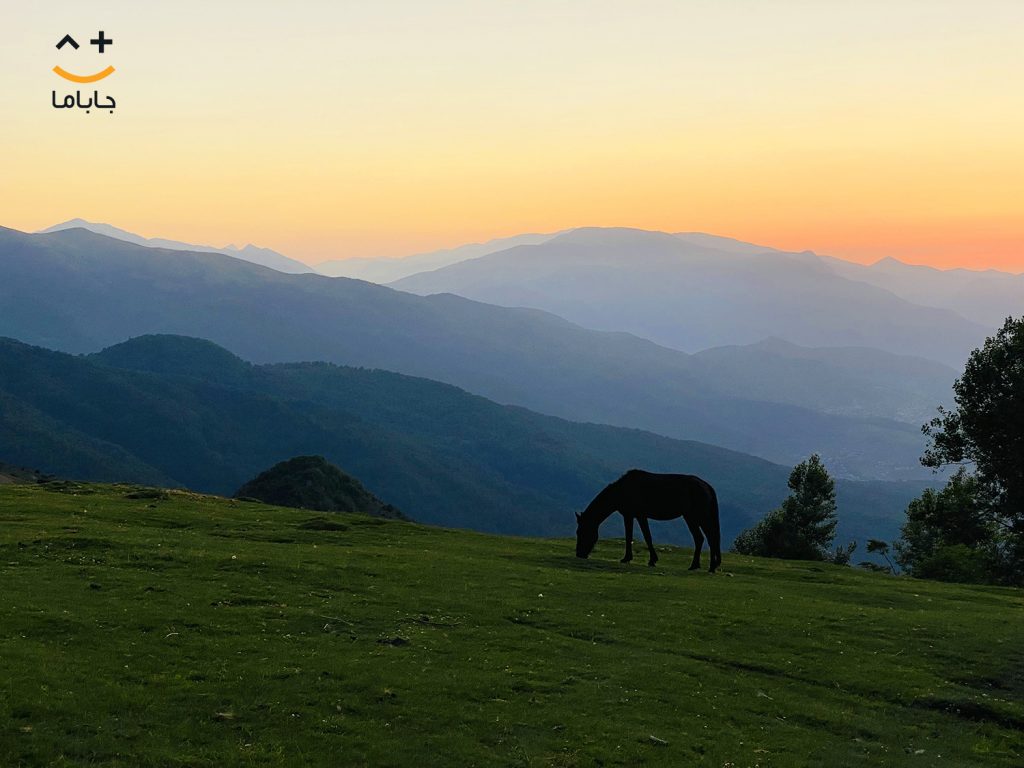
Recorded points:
168,410
147,628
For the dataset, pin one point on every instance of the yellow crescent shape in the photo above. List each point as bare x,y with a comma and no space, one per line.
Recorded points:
83,78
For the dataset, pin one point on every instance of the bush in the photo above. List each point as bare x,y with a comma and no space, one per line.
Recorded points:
764,539
953,562
842,555
950,535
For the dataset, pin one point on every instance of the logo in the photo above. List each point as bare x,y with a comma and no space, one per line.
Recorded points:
88,102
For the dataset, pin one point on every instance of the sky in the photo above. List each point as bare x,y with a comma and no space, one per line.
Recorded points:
339,129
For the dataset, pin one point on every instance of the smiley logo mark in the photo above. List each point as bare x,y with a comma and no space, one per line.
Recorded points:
100,42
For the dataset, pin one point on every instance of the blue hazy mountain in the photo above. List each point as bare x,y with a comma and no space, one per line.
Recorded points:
984,296
77,291
692,292
386,270
262,256
171,410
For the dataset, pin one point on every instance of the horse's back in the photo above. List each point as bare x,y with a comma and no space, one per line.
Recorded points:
641,479
666,496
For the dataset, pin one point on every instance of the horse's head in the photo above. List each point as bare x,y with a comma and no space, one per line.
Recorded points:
586,537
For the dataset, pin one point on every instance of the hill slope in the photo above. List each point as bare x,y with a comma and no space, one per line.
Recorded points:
171,410
691,295
384,270
174,629
79,292
854,381
986,297
263,256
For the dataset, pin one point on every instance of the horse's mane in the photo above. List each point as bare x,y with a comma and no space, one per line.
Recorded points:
611,491
629,473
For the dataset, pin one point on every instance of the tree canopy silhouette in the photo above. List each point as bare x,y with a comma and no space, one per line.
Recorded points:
804,527
948,534
983,510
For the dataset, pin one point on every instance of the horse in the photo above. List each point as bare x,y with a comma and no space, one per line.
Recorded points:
643,496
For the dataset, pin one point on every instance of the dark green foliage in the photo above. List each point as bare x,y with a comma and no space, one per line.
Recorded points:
146,493
949,534
441,455
805,525
880,548
985,512
953,562
986,428
810,510
842,555
175,355
311,482
764,538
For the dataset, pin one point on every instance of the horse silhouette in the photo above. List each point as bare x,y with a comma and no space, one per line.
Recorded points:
643,496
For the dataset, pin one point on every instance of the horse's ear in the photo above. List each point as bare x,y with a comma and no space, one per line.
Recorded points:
577,517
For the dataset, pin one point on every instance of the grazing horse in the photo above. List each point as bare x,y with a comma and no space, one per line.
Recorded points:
643,496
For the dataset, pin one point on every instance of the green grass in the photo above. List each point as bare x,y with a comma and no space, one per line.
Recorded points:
170,629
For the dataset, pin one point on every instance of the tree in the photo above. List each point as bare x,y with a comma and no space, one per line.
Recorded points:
949,534
804,526
879,547
985,429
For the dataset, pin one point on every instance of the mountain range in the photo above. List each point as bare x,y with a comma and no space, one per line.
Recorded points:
692,295
386,270
76,291
169,410
251,253
987,297
984,297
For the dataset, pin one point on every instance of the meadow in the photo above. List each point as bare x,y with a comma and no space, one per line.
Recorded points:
143,627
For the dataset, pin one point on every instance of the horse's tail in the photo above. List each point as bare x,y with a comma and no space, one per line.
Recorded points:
714,532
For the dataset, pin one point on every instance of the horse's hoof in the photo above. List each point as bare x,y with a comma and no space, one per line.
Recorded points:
694,567
651,564
711,570
626,560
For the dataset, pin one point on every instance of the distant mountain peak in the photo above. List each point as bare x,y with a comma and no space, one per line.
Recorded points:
890,263
96,227
775,342
265,257
612,236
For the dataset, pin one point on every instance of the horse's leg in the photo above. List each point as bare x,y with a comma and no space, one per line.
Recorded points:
628,522
646,528
715,543
698,542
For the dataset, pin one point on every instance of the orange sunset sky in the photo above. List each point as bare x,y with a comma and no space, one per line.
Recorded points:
337,129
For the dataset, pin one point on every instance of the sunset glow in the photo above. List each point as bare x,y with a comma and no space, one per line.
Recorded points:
330,130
